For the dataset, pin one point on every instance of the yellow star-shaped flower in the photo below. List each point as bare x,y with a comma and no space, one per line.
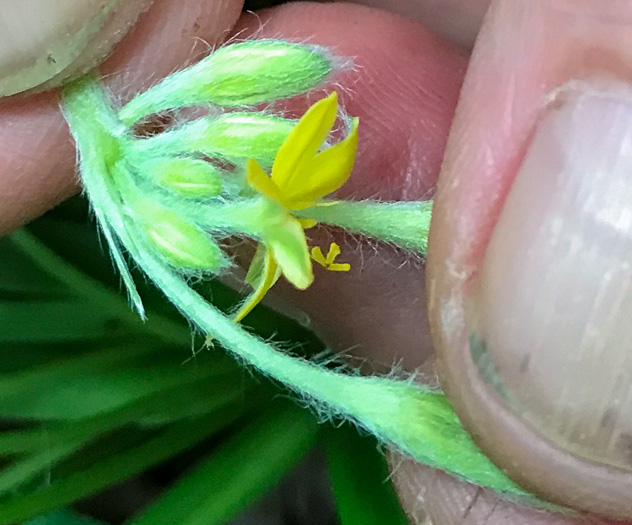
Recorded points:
301,176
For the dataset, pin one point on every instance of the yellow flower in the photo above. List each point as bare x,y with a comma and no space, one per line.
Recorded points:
301,176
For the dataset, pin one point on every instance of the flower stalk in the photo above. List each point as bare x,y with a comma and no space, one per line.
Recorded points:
161,203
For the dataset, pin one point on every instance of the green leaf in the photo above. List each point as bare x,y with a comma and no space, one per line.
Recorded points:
360,479
96,293
63,517
19,275
172,404
26,469
103,381
103,447
173,440
37,321
75,242
62,442
57,389
239,472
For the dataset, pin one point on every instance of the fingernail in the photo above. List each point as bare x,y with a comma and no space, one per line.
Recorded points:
551,315
43,42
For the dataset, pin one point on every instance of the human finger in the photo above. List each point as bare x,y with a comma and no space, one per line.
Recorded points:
402,79
458,21
529,251
432,496
37,157
43,42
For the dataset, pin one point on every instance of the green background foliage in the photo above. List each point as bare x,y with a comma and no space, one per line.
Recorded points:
90,396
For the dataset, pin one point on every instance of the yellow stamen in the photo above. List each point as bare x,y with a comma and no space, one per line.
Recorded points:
328,262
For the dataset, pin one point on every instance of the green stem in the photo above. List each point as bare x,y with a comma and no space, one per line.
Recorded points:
243,217
99,137
413,418
404,224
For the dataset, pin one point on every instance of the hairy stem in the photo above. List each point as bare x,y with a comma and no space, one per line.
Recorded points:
404,224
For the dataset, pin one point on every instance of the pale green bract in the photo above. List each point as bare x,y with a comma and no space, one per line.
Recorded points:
161,203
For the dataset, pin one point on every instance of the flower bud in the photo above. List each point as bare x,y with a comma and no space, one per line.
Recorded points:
237,75
247,135
188,177
182,243
264,70
233,136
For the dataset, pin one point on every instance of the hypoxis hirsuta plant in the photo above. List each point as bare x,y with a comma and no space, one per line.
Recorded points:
169,202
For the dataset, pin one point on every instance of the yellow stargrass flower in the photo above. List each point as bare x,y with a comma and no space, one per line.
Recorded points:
301,176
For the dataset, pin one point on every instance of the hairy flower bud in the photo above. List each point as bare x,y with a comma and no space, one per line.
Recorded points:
238,75
188,177
247,135
183,244
233,136
264,70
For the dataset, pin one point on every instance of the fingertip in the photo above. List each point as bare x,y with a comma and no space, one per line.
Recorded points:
457,21
526,411
37,155
430,495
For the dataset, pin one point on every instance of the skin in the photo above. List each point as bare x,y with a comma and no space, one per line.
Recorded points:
405,91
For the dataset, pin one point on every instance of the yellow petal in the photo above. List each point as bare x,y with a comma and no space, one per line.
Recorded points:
303,143
259,181
307,223
289,247
268,278
257,266
328,171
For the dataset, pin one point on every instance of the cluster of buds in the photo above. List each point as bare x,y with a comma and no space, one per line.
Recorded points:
179,193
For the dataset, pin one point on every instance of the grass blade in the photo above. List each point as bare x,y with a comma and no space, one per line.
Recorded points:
19,275
29,321
174,439
166,406
99,295
360,479
239,472
63,517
